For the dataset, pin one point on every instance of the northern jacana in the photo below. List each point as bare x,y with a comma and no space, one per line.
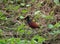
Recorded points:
31,23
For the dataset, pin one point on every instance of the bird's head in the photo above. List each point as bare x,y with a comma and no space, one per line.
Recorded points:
28,18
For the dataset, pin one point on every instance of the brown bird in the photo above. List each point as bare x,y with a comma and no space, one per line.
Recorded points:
31,23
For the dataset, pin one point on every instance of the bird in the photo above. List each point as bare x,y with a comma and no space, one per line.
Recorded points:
31,23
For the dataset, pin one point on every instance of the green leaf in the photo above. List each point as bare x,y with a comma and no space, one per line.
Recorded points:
49,17
51,13
37,12
43,16
39,4
55,32
12,7
11,41
1,30
24,42
21,17
11,2
16,7
9,7
2,41
1,13
21,26
57,2
33,1
39,38
24,11
2,16
28,5
5,1
57,25
50,26
29,32
23,4
21,29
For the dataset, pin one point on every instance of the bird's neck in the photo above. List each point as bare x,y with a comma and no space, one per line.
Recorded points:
28,20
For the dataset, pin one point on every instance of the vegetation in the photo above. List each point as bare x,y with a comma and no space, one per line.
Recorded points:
15,30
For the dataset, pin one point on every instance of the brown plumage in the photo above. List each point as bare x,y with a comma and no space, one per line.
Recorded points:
31,23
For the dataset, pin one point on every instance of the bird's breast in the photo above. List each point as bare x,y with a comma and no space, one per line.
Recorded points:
33,24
